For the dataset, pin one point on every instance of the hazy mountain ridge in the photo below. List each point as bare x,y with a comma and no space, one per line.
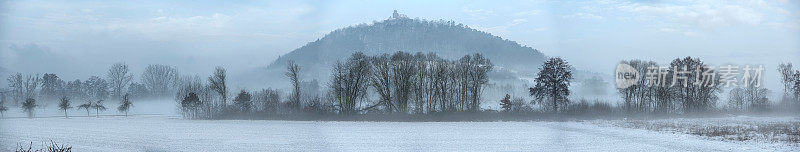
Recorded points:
448,39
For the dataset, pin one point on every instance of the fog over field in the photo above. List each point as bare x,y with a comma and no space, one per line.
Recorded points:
355,75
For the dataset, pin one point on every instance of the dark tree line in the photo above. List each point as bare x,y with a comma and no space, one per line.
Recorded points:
397,83
408,83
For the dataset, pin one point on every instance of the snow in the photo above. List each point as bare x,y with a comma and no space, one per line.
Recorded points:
170,133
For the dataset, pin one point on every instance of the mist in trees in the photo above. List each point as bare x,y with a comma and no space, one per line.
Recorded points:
159,80
398,83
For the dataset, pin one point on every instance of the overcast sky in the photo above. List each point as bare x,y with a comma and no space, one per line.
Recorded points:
81,38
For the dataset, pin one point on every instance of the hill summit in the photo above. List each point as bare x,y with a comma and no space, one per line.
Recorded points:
447,39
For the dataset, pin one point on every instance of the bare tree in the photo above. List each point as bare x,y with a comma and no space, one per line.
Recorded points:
478,74
791,82
694,98
17,85
381,78
218,83
119,79
96,88
349,82
267,100
159,79
292,72
403,71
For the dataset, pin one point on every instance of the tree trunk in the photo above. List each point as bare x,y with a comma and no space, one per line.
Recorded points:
65,114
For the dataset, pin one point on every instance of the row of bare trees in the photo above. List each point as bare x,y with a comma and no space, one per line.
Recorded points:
156,81
660,96
408,83
698,91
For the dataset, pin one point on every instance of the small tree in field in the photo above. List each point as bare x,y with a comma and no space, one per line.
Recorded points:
125,104
506,103
98,106
64,105
87,106
28,106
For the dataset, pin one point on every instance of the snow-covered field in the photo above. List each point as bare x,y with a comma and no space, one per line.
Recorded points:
168,133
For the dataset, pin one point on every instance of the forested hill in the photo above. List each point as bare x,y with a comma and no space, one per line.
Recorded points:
399,33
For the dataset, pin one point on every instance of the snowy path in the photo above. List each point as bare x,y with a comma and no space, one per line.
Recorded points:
160,133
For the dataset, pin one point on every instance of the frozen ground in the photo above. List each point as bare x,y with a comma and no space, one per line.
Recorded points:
167,133
156,127
734,128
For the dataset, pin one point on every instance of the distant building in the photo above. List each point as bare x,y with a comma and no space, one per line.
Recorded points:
396,15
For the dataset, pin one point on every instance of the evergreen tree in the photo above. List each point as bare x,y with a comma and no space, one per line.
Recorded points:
506,103
242,101
553,83
189,105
